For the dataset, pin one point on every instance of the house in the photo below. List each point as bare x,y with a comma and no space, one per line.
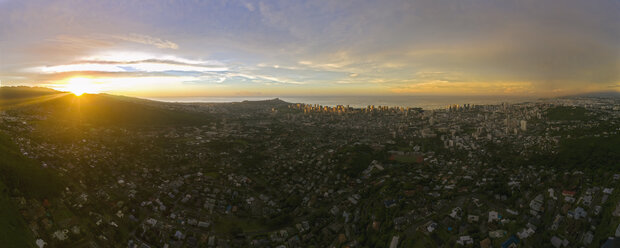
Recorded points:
394,243
597,209
513,212
472,218
580,213
525,233
611,243
513,241
587,238
151,221
40,243
485,243
389,203
557,242
568,193
204,224
377,165
61,235
211,241
496,234
616,212
476,201
431,226
465,240
178,235
493,216
536,205
552,194
456,213
556,222
399,221
569,199
587,200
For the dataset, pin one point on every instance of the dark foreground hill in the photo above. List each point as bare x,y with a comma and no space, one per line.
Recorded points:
22,176
97,109
19,173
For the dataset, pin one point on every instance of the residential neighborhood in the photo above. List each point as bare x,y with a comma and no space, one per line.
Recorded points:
278,174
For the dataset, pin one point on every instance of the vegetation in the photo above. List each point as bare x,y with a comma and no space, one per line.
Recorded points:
13,229
100,109
26,176
234,225
22,92
589,153
11,97
567,113
356,159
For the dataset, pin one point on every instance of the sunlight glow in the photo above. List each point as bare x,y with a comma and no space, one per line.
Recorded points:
80,85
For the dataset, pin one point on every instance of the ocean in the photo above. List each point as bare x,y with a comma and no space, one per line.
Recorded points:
423,101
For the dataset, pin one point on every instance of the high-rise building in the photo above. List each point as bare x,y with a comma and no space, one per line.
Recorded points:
523,125
507,122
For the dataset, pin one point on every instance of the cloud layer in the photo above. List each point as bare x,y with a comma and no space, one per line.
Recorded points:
318,47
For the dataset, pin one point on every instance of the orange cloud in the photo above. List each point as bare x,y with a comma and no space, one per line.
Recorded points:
462,88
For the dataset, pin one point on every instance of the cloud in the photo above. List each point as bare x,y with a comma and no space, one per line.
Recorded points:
249,6
464,88
147,40
77,42
128,67
132,62
381,46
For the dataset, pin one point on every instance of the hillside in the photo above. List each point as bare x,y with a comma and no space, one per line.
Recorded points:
243,106
13,229
23,92
96,109
20,174
12,97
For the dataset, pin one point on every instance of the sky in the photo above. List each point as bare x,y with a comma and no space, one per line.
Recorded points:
176,48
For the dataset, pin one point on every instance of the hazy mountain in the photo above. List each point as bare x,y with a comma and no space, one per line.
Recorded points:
599,94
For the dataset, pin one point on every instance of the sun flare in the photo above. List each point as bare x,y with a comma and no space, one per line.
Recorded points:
80,85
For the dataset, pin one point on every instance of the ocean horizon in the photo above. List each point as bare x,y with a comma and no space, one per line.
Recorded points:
422,101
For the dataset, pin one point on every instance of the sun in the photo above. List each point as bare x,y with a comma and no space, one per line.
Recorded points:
80,85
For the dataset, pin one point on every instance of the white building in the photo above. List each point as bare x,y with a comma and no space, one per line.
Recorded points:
394,243
523,125
493,216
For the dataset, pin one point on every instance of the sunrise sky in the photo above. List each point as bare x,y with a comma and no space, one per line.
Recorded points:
248,48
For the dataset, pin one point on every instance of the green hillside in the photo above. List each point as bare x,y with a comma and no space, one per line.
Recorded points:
14,97
98,109
23,92
18,172
561,113
13,229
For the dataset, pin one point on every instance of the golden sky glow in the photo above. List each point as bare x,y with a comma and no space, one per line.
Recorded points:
80,85
279,48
